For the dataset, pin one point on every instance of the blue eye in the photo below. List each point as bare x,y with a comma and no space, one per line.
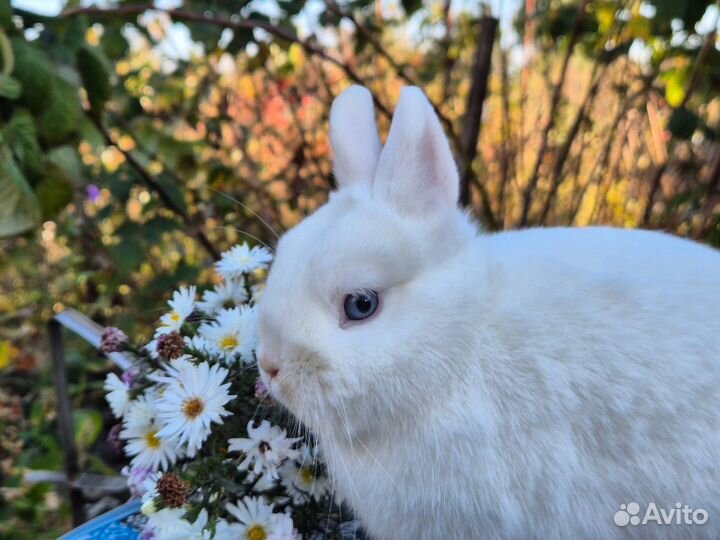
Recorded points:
361,304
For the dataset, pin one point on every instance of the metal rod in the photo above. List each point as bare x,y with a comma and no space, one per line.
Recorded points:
65,420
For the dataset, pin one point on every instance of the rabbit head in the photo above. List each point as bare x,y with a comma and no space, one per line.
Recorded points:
356,286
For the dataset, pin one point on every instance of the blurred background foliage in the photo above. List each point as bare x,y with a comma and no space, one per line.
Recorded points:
138,140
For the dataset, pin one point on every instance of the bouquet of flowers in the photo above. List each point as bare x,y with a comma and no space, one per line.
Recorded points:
184,406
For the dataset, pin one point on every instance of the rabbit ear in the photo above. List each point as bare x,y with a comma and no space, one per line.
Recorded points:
354,137
416,172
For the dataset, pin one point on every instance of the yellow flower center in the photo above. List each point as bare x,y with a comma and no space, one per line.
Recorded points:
175,316
151,440
228,343
192,407
306,475
256,532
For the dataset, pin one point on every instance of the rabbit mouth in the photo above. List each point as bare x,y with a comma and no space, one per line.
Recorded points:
303,388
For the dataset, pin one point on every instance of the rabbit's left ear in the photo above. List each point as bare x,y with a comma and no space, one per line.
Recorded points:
416,171
354,137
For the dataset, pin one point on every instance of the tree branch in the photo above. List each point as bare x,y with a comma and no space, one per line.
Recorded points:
473,116
149,181
506,147
448,62
708,44
603,159
554,103
240,24
400,70
585,106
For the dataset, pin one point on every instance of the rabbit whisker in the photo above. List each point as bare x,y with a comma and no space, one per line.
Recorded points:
273,231
249,235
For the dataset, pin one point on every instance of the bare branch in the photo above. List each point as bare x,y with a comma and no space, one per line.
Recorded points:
149,181
507,139
400,70
581,115
448,63
473,115
554,103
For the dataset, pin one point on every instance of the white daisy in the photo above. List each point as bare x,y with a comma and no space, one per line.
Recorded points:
173,371
181,306
117,394
148,448
197,343
141,411
233,332
224,530
265,450
229,294
241,260
169,524
301,477
162,519
283,528
192,402
151,347
257,520
149,486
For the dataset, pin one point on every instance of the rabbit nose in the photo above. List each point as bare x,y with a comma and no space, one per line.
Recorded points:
269,366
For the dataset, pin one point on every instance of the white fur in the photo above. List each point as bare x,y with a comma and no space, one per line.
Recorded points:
354,137
513,385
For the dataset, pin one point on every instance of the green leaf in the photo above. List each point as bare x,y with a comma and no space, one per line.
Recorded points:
154,229
88,426
683,123
291,7
21,137
19,207
113,41
61,115
241,37
129,253
66,157
411,6
205,33
640,27
6,15
55,191
10,87
95,74
675,83
605,14
174,192
35,73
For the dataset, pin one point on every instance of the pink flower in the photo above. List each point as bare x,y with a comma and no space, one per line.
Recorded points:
113,340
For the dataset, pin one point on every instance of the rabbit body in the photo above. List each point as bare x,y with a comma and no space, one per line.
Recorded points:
582,373
513,385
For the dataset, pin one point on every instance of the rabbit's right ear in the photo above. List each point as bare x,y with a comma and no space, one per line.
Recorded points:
354,137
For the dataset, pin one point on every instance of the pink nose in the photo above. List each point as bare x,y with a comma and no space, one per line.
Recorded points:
269,367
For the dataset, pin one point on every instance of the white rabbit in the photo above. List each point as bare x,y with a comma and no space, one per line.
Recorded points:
469,385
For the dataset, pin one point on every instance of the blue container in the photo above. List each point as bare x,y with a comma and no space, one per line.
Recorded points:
122,523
